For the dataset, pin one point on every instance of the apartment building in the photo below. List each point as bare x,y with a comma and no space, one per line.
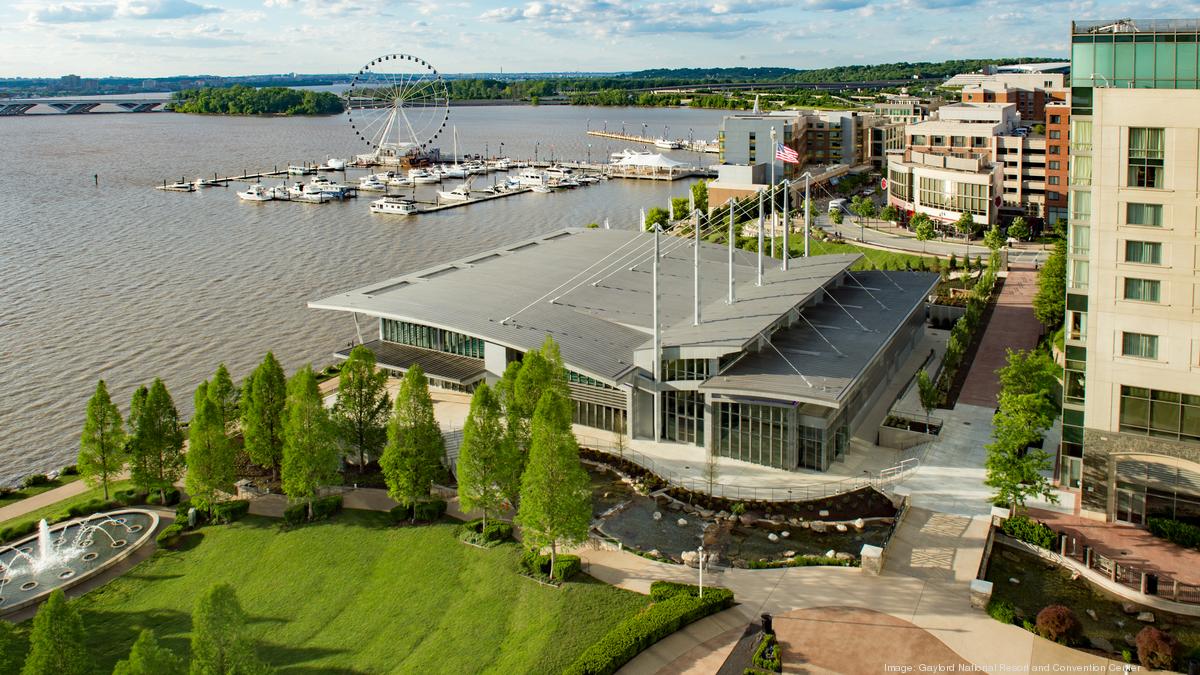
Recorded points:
1131,410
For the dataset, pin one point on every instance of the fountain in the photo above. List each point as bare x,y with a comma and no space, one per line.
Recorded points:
63,555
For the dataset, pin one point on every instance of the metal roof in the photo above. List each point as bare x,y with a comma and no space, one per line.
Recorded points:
442,365
591,290
859,328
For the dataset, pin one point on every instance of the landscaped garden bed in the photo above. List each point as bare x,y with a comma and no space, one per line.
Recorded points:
922,427
1024,585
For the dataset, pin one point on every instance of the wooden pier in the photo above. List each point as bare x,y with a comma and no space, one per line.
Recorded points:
472,200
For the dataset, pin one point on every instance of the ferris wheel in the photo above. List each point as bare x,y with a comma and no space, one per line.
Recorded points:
398,105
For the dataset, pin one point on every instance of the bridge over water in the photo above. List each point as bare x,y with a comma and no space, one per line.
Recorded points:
76,106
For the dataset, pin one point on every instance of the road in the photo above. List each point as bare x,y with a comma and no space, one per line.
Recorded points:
941,247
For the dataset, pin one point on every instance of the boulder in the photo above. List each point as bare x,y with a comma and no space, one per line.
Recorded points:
1146,617
682,522
841,527
722,514
705,513
653,553
1120,623
823,513
789,554
1130,608
843,556
795,522
657,515
674,506
772,537
830,553
805,524
746,520
859,523
1014,580
777,519
818,526
1101,644
785,534
1129,640
690,558
1092,613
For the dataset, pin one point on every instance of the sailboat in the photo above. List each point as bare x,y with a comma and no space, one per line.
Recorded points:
458,170
459,194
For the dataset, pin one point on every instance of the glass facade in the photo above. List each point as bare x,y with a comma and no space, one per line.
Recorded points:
599,416
683,416
685,369
1142,60
1146,158
1165,414
755,433
578,378
427,337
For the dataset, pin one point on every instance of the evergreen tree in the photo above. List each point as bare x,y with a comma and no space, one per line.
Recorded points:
363,406
156,458
310,457
210,456
135,410
412,458
102,445
225,394
1049,301
486,452
148,657
556,498
262,414
219,643
56,640
700,195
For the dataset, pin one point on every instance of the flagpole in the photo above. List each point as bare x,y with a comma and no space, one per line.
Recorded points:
760,238
774,158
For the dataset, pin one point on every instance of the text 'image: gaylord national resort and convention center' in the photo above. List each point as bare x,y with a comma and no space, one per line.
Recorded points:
779,370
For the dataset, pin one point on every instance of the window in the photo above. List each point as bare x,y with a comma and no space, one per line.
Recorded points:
1054,164
683,416
1150,215
918,139
1160,413
979,141
1080,239
1143,252
1081,205
1146,157
937,140
1077,274
1081,170
685,369
1142,290
1052,180
1055,119
1139,345
1081,135
958,141
1055,134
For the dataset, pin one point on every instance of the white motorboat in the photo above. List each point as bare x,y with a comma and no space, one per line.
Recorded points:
301,192
204,182
328,187
476,168
455,171
532,177
459,194
560,172
395,206
332,164
502,164
587,179
370,184
542,189
666,144
300,170
177,187
281,192
568,182
424,176
257,193
626,154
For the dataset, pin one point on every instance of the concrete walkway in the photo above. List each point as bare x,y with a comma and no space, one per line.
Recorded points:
30,504
1012,326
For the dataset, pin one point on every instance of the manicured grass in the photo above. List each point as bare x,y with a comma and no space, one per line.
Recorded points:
871,256
358,595
25,493
60,508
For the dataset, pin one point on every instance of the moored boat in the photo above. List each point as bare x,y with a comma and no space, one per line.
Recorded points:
395,206
256,193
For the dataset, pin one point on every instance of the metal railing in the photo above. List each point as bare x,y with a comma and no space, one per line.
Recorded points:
783,493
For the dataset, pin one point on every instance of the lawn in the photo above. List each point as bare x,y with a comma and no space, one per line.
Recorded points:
358,595
24,493
59,508
871,256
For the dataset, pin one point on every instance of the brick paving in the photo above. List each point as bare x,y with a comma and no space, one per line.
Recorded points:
1129,545
1012,326
853,640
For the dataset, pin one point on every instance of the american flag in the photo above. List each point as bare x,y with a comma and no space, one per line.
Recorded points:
785,154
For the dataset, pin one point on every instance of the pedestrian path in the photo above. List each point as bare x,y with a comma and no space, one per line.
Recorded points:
1013,326
38,501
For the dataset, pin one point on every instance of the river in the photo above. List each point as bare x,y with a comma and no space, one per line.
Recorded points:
127,283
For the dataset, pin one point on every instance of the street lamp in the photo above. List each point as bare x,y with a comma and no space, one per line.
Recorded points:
589,124
700,566
589,153
622,127
535,150
644,125
606,126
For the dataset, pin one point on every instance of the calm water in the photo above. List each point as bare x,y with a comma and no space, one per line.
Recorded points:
124,282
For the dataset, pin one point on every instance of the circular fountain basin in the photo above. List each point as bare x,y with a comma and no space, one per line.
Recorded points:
63,555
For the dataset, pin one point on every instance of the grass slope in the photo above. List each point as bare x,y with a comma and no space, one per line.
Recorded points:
24,493
356,595
60,508
871,256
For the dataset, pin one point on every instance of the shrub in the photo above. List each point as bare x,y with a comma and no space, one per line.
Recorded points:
1002,611
638,632
131,497
1029,625
767,655
474,532
1183,534
17,531
1058,623
93,506
229,511
172,497
1126,656
1157,650
400,513
35,480
170,536
181,512
296,514
326,507
1030,531
738,509
802,561
69,470
538,566
429,511
664,590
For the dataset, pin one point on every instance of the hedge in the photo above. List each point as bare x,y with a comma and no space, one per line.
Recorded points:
322,509
170,536
296,514
772,662
1174,531
17,531
803,561
426,512
1002,611
35,480
537,565
628,638
229,511
1030,531
156,499
474,532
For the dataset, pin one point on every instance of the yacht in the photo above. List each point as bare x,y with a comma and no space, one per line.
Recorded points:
395,206
560,172
281,192
308,193
257,193
371,184
530,177
332,164
424,176
626,154
475,168
568,182
177,187
399,181
543,189
328,187
455,171
204,182
587,179
666,144
300,170
459,194
502,164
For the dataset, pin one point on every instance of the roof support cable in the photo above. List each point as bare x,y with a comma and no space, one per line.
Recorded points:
788,361
822,335
851,275
835,301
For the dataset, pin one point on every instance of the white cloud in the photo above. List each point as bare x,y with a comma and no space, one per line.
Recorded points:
73,13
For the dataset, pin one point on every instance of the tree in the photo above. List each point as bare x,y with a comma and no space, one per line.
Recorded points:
516,430
210,456
889,213
486,452
700,195
412,458
556,499
219,644
924,228
310,458
11,648
657,217
225,394
993,238
262,414
863,207
1049,301
620,442
1028,372
56,640
135,409
1014,469
965,225
363,405
836,217
102,445
1019,229
1060,228
712,470
156,459
148,657
927,392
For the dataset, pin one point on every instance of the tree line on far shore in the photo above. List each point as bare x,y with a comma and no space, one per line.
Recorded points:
242,100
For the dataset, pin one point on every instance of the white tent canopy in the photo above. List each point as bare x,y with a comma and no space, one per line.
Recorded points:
651,161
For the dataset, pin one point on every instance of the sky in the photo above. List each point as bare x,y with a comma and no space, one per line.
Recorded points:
154,38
